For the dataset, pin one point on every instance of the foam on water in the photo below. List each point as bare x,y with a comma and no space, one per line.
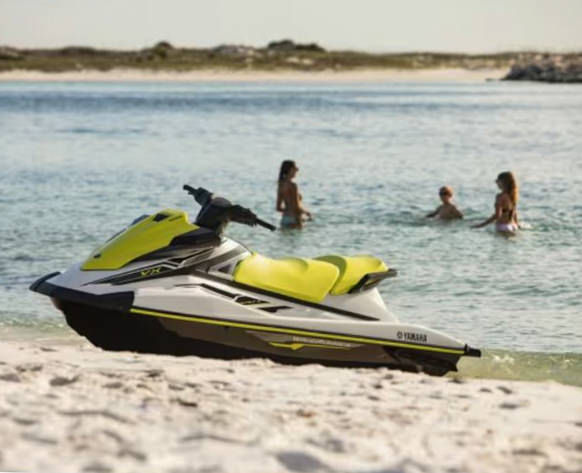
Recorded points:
524,366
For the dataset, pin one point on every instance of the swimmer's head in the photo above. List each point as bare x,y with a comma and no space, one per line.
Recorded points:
288,170
446,194
507,183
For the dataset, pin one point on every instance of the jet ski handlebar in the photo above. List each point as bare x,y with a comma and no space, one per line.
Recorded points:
266,225
216,212
201,195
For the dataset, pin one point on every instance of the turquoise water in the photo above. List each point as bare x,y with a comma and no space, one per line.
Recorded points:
81,160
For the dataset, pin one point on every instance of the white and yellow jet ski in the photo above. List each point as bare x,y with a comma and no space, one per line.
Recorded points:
165,285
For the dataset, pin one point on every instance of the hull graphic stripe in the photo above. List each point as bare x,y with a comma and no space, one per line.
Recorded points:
267,328
298,346
256,290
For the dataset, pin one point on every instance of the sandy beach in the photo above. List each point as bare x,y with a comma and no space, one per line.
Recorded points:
364,75
70,407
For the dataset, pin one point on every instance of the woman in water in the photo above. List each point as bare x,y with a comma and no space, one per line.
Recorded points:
505,216
289,199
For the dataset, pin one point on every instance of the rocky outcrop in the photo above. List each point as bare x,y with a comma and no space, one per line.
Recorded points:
548,68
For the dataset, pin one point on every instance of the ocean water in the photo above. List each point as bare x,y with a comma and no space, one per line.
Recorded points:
79,161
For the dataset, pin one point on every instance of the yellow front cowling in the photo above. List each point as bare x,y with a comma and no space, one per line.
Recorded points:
142,238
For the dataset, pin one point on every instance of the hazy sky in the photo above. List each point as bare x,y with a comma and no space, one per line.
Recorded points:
375,25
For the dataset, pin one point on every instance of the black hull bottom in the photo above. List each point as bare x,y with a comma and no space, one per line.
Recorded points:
118,331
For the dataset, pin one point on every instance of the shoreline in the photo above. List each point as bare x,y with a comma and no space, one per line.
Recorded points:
224,75
71,407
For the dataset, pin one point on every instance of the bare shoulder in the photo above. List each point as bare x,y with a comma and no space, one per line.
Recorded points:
503,198
458,213
286,186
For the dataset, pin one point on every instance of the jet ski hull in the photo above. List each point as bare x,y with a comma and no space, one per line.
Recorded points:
117,331
113,322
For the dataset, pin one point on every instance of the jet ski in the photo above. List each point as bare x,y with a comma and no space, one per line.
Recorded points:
168,286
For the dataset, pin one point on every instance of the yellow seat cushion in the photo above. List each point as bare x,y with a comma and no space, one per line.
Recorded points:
351,270
304,279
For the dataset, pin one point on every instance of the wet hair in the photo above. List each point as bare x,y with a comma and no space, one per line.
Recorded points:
286,167
446,190
510,186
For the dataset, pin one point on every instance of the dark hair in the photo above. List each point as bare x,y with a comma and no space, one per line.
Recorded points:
510,186
286,167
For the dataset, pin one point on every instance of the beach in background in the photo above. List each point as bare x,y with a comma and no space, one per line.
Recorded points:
225,75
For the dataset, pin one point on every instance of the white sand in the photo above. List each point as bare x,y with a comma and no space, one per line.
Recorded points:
364,75
72,407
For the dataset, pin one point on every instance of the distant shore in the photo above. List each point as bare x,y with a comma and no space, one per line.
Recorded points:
284,55
67,406
279,60
218,75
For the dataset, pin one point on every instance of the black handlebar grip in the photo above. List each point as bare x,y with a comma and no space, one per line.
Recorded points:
266,225
188,188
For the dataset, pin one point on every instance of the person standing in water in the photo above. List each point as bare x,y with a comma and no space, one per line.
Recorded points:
448,210
289,200
505,215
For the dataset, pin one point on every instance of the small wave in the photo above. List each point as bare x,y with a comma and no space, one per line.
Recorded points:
23,257
564,368
100,131
42,324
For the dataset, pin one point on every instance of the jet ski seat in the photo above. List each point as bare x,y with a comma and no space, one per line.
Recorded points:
305,279
353,270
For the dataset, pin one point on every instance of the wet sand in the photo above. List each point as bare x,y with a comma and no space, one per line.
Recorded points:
70,407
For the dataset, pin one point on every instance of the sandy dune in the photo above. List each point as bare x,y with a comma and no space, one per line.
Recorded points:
72,408
366,75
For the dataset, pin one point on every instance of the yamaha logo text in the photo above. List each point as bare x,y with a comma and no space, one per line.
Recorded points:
412,336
